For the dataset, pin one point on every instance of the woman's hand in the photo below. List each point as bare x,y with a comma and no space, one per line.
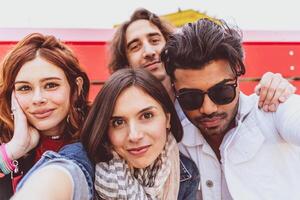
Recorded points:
25,137
273,89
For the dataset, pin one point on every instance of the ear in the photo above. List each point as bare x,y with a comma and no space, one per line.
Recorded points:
168,121
79,83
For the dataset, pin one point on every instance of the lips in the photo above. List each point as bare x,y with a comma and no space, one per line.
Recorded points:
42,114
211,122
139,150
151,66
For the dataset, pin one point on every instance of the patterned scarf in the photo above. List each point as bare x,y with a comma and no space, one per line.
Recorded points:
160,180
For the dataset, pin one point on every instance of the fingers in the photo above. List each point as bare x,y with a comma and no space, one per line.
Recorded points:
273,89
263,88
16,109
279,92
288,91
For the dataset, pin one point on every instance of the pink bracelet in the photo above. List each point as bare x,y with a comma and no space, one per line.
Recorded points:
8,161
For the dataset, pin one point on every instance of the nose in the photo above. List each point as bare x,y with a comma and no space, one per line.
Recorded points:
149,51
135,133
38,97
208,107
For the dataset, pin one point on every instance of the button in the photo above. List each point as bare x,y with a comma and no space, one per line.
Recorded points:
209,183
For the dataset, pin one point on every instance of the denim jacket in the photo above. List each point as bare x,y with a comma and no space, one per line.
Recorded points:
74,159
189,179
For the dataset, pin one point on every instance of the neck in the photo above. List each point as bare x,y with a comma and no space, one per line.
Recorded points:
57,131
215,142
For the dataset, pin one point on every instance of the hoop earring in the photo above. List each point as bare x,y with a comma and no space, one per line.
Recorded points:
68,119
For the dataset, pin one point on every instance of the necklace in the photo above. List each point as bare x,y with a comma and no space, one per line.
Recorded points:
55,137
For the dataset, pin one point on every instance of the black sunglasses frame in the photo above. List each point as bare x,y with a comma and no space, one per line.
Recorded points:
211,94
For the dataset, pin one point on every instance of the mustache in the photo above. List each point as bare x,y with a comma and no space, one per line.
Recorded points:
205,117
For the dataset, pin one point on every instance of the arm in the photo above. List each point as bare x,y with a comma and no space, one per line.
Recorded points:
273,89
287,120
47,183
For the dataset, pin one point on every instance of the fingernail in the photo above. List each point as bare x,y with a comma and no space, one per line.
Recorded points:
265,108
272,107
282,98
260,104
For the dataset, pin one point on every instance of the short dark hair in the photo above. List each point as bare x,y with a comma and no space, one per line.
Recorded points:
201,42
118,56
95,129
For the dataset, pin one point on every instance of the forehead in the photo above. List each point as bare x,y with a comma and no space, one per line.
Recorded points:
141,28
212,73
127,101
39,68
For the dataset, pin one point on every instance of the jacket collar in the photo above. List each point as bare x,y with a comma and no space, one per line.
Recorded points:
247,138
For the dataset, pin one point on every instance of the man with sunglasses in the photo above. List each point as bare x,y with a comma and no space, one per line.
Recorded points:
241,151
139,41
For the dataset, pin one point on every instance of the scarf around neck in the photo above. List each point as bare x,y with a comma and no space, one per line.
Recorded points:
160,180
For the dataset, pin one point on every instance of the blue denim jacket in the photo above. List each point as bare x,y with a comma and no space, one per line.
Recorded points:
74,159
189,179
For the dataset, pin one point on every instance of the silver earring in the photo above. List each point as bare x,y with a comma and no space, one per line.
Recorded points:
68,119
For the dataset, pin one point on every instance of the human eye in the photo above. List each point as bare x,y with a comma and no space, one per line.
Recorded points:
134,47
22,88
117,122
51,85
155,40
147,115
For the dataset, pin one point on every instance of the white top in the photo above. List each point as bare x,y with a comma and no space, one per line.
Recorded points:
260,157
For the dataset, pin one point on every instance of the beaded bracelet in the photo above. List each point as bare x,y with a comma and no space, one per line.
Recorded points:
7,165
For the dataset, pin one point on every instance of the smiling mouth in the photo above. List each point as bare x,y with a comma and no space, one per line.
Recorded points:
43,114
139,150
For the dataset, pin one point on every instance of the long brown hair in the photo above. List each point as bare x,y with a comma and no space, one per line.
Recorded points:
95,130
118,56
58,54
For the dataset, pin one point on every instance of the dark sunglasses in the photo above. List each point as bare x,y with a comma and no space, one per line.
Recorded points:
220,94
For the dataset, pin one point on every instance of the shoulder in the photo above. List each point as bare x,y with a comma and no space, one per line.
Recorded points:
76,153
73,160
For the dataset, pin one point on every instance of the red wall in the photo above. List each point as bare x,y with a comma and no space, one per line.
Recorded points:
281,57
264,52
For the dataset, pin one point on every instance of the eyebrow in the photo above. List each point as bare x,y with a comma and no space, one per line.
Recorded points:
225,81
43,80
148,35
141,111
219,83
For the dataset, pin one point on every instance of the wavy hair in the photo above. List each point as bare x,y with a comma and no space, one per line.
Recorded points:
55,52
118,56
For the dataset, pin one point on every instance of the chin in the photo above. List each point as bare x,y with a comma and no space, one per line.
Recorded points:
45,125
141,164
